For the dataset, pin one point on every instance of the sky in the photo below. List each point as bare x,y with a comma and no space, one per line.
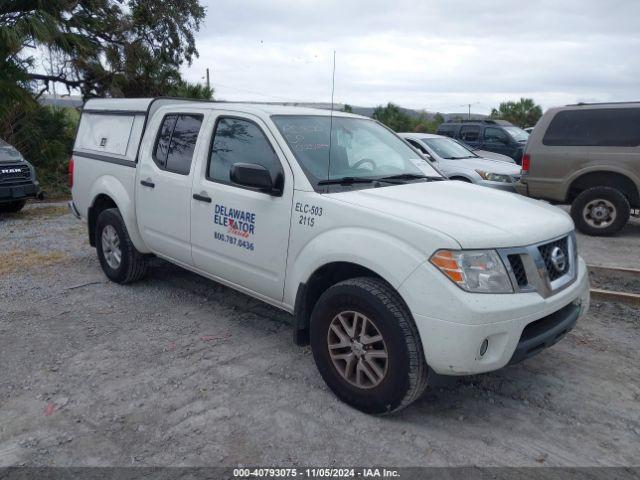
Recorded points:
422,54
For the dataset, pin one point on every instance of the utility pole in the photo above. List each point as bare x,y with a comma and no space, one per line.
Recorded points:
468,105
208,82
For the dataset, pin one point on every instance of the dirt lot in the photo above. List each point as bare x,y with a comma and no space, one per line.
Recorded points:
178,370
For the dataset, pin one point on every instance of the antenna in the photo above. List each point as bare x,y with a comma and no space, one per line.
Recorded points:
333,87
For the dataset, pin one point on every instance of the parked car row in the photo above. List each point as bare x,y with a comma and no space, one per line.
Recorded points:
459,162
586,155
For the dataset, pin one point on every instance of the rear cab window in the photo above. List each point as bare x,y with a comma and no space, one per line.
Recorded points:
176,142
595,127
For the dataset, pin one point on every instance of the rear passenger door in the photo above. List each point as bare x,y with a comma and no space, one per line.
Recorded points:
470,134
240,234
163,190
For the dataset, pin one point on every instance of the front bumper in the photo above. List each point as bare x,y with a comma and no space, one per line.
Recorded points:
522,188
452,338
18,192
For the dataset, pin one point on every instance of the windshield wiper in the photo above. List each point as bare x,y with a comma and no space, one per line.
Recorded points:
410,176
388,179
347,181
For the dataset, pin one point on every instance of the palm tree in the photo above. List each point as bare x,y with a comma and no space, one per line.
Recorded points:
524,113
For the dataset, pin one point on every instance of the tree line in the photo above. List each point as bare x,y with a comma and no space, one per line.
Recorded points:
98,48
522,113
117,48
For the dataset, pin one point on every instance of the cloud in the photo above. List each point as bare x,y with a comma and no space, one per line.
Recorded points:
436,55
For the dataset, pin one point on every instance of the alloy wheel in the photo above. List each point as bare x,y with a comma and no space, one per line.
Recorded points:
111,247
357,349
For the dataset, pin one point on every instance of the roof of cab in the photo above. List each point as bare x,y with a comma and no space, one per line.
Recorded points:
142,105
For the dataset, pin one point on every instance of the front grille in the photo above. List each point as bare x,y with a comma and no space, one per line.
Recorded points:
14,173
518,269
547,251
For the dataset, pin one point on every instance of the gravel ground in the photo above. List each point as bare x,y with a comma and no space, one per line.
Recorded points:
617,281
178,370
621,250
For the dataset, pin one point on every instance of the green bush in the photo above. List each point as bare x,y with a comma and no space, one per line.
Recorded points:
44,135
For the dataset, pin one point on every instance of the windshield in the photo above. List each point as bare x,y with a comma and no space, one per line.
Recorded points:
7,152
517,134
360,148
448,149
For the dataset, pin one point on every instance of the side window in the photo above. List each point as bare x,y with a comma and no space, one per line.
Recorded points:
495,135
447,130
417,145
239,141
470,133
164,138
596,127
176,142
183,142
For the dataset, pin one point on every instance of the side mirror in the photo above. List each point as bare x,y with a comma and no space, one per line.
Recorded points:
426,156
254,176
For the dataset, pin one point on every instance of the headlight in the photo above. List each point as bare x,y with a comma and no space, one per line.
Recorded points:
480,271
494,177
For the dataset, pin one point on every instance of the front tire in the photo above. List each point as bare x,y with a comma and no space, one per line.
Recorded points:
13,207
600,211
120,260
366,346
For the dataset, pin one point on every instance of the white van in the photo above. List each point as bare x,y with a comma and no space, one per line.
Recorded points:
392,273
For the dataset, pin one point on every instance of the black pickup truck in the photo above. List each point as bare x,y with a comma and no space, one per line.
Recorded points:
17,180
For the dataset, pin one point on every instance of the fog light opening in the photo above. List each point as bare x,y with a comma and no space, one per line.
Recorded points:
484,346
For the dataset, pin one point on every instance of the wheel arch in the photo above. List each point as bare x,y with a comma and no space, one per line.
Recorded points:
602,178
349,252
109,192
318,282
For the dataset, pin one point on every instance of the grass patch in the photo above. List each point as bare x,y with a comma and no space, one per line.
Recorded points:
15,260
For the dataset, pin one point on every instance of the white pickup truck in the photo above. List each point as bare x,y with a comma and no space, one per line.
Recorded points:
393,273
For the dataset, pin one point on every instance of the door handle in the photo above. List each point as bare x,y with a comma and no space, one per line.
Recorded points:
147,183
202,198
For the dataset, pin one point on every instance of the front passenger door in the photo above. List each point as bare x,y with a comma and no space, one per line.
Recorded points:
238,233
496,140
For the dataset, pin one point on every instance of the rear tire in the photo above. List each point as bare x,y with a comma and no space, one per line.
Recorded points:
13,207
600,211
120,260
386,384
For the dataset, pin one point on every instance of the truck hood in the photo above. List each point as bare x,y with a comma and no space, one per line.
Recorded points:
8,154
487,155
474,216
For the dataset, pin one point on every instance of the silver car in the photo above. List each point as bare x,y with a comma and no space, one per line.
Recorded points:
460,163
